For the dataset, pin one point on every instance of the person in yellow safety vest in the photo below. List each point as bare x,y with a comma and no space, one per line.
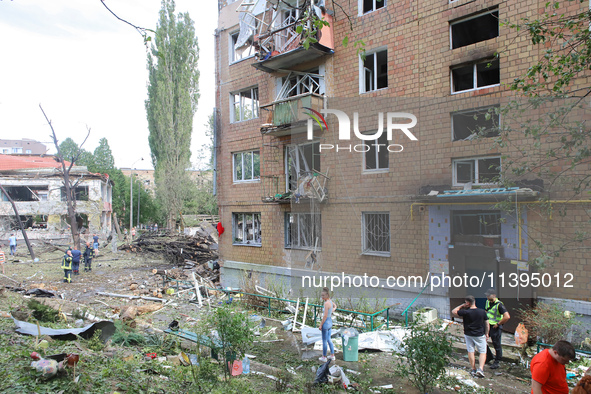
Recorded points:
497,316
67,266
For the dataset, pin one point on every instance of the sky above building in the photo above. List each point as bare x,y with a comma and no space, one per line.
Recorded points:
88,69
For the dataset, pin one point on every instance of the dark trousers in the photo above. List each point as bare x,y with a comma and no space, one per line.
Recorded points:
75,266
495,337
68,276
87,263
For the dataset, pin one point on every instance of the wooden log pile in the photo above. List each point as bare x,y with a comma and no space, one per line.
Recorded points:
176,248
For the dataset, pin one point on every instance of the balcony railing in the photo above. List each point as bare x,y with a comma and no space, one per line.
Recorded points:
288,115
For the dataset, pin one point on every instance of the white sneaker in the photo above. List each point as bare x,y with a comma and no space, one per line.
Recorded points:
480,373
333,358
323,359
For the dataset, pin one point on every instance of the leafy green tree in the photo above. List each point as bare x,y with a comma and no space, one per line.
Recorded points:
545,123
72,152
103,160
171,105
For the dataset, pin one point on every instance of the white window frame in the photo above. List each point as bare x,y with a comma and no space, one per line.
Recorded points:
232,50
255,108
385,148
474,77
296,216
362,68
17,150
474,163
236,216
251,152
467,19
474,110
360,7
364,236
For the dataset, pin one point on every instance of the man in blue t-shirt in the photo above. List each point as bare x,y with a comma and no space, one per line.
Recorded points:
476,329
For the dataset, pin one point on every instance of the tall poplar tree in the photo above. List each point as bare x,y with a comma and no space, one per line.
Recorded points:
173,92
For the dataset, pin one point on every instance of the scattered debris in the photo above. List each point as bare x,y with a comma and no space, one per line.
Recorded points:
107,329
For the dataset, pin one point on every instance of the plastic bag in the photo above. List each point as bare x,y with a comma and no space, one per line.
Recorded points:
322,373
349,333
521,334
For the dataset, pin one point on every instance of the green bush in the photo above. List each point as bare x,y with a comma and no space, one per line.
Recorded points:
549,323
427,352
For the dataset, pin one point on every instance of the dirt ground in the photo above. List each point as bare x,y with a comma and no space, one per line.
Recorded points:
116,272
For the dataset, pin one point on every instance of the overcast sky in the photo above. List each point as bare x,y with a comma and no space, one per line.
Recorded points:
86,68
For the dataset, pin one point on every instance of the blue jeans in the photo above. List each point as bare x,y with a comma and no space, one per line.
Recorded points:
326,329
12,250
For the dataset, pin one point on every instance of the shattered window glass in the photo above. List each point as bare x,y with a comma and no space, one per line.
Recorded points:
246,228
302,230
244,105
483,122
301,160
479,171
376,158
475,29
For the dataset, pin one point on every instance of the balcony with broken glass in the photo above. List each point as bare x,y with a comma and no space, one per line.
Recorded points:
288,113
275,28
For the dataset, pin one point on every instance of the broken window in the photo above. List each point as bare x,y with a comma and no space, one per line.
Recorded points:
301,160
303,230
80,193
479,171
475,122
247,166
243,52
26,193
301,84
474,29
371,5
376,158
466,225
246,228
376,233
374,71
244,105
475,75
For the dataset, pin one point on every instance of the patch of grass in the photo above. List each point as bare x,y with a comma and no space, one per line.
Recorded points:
42,312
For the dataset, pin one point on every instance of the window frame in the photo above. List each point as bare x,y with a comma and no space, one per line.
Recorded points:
314,235
256,111
377,154
465,19
483,110
474,76
245,241
374,9
232,50
374,52
474,161
364,235
298,158
252,152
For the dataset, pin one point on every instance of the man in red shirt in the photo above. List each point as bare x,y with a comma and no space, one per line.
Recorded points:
548,374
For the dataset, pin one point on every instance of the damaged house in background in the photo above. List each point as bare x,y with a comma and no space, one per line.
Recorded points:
35,184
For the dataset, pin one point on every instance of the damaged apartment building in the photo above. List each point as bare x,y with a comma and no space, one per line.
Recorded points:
297,197
35,184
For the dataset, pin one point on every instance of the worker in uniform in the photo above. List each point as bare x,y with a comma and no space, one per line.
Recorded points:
67,266
497,316
88,255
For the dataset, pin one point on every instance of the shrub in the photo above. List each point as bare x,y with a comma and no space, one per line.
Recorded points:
427,351
549,323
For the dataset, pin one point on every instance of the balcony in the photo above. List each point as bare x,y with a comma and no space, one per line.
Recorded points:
271,28
287,114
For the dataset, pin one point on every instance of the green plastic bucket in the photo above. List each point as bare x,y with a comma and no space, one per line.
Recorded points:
351,349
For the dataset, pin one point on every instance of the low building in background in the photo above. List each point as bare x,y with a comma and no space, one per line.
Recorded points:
24,146
35,184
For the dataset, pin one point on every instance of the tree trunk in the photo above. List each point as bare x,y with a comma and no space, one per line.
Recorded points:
71,201
20,223
116,224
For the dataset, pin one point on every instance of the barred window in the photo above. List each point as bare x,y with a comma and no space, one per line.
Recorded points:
376,233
